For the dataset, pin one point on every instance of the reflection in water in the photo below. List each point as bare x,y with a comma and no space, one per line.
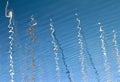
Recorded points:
80,42
83,48
55,49
116,50
9,14
87,50
32,38
58,47
106,63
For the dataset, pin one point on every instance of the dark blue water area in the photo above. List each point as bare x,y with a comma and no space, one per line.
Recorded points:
63,17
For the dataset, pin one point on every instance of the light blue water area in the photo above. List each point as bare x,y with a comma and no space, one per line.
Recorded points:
62,12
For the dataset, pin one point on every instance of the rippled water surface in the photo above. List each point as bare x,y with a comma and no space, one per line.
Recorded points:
59,41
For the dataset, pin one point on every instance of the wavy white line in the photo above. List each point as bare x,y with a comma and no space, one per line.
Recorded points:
116,50
11,38
106,63
80,42
55,49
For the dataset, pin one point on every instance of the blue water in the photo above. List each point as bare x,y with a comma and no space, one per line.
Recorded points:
63,17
